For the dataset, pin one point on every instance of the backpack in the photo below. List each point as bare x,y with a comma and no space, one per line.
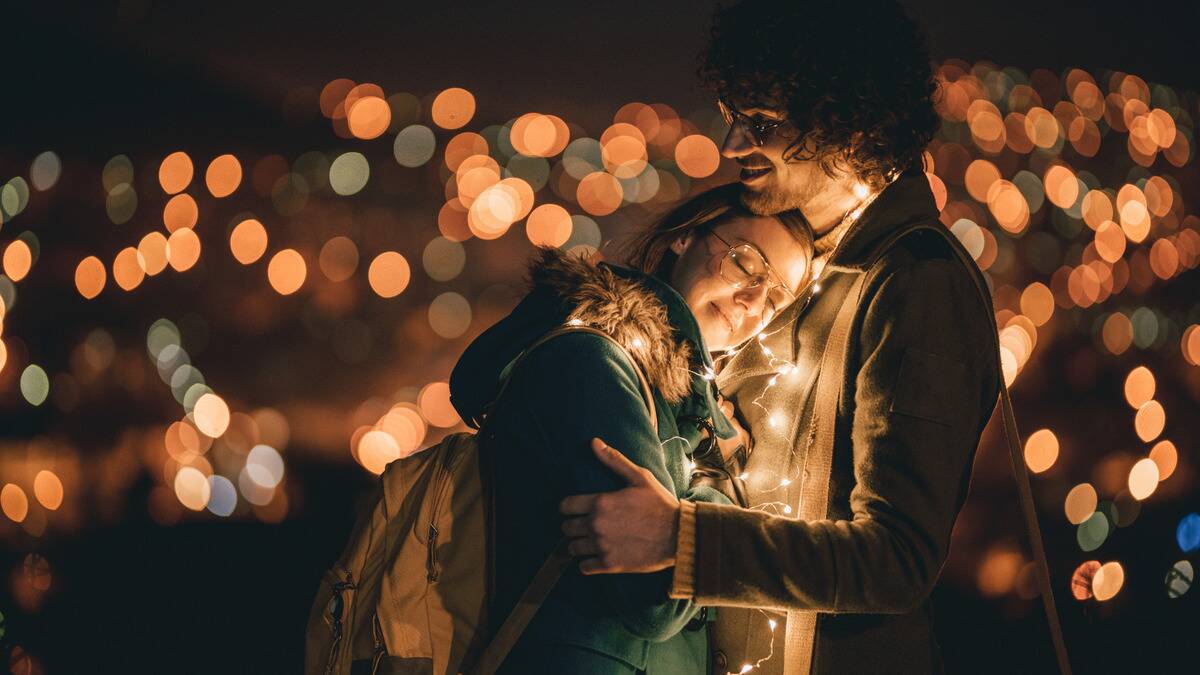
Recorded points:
410,591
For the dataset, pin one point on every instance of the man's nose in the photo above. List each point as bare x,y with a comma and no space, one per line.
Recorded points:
737,142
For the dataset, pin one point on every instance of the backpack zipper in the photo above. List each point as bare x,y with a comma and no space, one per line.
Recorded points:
335,607
442,485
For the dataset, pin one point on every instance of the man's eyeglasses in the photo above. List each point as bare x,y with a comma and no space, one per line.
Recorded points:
744,266
760,129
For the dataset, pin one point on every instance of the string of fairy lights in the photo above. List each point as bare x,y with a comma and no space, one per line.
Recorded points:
1068,189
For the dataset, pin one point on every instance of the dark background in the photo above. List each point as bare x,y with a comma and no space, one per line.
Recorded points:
92,80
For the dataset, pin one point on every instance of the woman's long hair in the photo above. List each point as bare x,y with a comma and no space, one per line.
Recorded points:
650,252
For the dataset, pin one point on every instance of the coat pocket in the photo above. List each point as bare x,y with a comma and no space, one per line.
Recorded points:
929,387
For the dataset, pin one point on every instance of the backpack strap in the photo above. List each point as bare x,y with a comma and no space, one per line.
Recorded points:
560,558
814,494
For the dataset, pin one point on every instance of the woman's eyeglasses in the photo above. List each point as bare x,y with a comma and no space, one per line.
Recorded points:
760,129
744,266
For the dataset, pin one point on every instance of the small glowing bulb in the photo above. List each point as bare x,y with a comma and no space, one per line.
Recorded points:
861,191
576,322
773,420
817,288
745,475
691,466
785,482
767,350
773,380
747,668
761,336
787,509
637,343
771,623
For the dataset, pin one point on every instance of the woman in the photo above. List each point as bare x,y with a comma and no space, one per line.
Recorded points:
707,277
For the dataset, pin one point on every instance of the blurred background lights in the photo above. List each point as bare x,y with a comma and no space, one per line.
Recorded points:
338,258
1108,581
48,489
1041,450
1143,478
348,173
1179,578
1187,533
35,386
1093,531
14,502
211,415
192,488
449,314
175,172
222,496
223,176
264,466
388,274
414,145
453,108
45,171
286,271
248,241
443,259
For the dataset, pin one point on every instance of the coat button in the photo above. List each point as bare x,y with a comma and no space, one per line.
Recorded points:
720,661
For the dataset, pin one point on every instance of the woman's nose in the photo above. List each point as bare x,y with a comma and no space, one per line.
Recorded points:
753,298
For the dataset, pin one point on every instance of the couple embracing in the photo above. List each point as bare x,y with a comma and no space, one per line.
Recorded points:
755,433
759,487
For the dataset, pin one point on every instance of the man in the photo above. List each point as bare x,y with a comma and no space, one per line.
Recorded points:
830,106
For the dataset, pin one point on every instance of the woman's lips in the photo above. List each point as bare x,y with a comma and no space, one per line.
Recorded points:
754,174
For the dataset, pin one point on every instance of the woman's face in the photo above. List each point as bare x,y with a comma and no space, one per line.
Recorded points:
727,315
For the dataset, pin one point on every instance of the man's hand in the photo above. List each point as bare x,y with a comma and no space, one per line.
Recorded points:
630,530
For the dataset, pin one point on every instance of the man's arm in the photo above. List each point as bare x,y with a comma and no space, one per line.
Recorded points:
924,387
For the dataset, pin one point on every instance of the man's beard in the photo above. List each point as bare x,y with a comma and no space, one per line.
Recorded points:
779,196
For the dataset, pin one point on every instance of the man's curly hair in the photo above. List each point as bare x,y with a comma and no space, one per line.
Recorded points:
853,77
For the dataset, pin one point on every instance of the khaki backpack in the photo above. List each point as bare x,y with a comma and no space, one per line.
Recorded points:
409,593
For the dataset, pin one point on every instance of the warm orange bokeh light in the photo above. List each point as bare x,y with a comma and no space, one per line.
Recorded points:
368,117
1143,478
979,178
376,449
18,258
1166,457
697,156
434,401
453,108
1108,581
1037,303
248,241
599,193
1080,503
14,502
175,172
464,145
181,211
1139,387
1117,333
152,253
389,274
126,271
1150,421
48,489
1041,450
1062,188
90,277
286,271
223,176
183,249
548,225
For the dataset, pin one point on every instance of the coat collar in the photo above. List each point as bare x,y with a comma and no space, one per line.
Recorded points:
906,200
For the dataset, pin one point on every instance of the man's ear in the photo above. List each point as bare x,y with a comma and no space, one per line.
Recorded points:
681,243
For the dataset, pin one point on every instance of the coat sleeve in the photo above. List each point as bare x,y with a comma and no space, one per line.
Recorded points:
596,394
925,384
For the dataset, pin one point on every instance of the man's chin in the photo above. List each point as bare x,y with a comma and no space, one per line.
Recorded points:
764,202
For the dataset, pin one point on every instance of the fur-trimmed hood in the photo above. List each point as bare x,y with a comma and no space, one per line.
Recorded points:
641,312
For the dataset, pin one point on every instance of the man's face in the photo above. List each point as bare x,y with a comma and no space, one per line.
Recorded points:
771,184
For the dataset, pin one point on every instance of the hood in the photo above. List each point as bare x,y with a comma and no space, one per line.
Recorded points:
641,312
